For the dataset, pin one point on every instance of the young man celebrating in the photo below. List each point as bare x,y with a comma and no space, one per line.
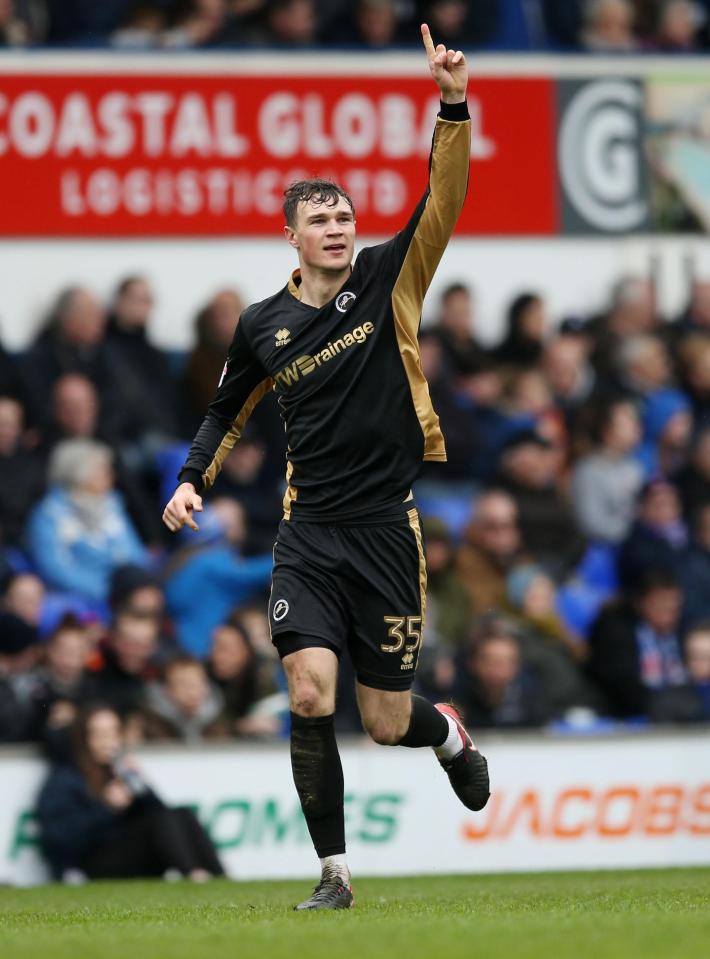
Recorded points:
339,346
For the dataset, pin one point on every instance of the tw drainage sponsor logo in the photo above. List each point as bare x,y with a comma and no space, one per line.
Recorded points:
305,365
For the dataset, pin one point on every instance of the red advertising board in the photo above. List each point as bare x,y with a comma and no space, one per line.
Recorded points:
171,155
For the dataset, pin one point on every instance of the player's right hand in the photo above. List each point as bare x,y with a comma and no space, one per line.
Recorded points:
178,512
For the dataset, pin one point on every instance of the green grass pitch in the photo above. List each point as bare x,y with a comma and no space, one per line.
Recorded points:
603,915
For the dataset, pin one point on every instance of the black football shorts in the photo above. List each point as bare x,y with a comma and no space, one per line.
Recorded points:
357,586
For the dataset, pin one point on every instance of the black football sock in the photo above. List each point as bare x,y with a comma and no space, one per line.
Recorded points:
318,776
427,726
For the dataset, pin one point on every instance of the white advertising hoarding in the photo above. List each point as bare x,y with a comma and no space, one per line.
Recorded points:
556,804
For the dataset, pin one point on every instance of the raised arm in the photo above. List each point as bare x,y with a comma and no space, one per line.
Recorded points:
244,382
421,244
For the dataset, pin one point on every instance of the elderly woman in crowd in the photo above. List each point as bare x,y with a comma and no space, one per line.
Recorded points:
80,531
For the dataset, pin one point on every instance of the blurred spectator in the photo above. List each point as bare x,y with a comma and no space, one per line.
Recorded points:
634,645
448,604
185,705
609,26
569,373
694,570
525,333
19,652
210,565
694,360
22,472
72,342
549,531
233,667
125,663
491,548
531,596
658,537
84,22
215,326
678,28
80,531
22,22
141,28
493,687
99,818
292,22
136,592
632,313
376,23
244,477
667,426
697,665
643,365
457,24
23,595
606,482
149,399
50,694
197,23
74,414
693,481
455,329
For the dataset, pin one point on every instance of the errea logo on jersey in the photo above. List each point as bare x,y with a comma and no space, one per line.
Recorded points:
305,365
282,337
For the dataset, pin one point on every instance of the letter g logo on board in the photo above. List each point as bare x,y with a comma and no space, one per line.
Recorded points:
601,156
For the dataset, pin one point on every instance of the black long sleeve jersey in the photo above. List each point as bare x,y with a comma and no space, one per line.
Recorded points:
356,406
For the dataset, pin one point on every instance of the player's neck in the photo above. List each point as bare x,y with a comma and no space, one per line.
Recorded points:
319,286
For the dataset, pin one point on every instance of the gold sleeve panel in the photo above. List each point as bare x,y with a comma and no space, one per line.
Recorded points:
235,431
448,181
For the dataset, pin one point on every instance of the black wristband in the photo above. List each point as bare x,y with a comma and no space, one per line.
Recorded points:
456,112
187,475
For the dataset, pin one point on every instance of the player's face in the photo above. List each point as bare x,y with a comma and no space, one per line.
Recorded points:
324,235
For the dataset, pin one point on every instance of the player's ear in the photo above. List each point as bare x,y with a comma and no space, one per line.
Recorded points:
290,235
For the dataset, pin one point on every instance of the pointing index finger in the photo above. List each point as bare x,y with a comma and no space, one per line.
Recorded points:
428,42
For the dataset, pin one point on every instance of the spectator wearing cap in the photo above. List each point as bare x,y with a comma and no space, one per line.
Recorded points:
606,481
528,474
659,535
80,531
634,645
22,471
19,652
209,567
492,546
184,705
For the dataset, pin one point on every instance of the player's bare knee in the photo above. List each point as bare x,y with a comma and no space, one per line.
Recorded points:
386,731
309,697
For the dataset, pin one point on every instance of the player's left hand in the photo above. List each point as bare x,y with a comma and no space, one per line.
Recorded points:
448,68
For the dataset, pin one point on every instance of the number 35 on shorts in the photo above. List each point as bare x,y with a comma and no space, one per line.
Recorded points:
400,629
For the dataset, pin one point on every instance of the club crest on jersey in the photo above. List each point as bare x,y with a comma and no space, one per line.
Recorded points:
344,301
282,337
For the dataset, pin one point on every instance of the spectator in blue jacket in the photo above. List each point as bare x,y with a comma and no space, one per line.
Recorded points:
80,531
208,578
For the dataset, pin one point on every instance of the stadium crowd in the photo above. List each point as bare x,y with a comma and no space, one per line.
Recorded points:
568,536
609,26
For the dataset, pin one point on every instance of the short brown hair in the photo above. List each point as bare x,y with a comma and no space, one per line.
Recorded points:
320,191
